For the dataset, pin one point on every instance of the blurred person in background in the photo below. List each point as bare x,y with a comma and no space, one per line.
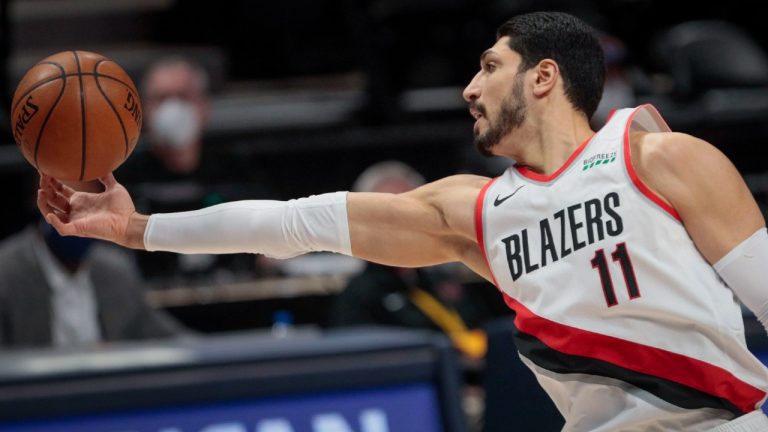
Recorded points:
431,297
69,291
176,103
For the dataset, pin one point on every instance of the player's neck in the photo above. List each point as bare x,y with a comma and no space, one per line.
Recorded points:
547,142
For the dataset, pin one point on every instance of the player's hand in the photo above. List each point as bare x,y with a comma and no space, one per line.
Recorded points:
108,215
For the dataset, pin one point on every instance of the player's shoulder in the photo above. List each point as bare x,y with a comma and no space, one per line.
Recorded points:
670,151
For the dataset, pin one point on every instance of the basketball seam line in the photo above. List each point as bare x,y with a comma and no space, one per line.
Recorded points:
82,115
48,115
64,77
109,102
42,83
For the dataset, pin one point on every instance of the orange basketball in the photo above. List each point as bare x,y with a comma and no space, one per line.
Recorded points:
76,115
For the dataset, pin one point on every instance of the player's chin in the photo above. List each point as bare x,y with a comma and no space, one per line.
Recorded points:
483,145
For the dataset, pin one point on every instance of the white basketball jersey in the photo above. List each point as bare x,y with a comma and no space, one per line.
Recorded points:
624,323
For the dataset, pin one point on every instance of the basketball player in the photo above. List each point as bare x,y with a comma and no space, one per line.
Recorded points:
613,248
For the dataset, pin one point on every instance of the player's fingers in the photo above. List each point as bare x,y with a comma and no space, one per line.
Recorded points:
46,209
58,202
42,202
62,189
45,182
52,186
59,225
48,180
108,181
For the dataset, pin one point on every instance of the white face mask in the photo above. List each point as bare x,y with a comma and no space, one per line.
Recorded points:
175,123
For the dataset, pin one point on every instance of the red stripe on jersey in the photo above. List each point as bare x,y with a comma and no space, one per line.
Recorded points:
642,187
525,172
640,358
479,225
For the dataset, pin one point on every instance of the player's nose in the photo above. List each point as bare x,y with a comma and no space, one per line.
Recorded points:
472,90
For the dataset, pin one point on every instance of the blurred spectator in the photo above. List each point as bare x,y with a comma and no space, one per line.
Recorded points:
173,170
72,291
176,110
419,298
176,106
388,177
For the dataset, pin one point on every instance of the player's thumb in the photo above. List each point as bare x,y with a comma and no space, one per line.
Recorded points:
108,181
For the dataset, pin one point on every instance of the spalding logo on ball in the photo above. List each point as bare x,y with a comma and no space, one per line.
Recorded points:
76,116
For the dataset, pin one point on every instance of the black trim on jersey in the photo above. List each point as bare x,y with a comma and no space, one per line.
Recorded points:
672,392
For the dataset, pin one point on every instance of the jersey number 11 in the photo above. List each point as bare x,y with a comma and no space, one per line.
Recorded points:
600,263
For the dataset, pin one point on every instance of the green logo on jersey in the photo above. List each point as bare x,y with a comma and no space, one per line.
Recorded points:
597,160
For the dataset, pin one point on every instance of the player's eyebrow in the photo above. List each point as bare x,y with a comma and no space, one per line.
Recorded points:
486,53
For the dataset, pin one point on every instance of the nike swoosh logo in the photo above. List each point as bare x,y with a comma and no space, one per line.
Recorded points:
498,201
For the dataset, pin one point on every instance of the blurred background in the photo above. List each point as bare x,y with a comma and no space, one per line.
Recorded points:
277,100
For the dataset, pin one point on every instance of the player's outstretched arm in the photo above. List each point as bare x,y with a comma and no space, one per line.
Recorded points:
430,225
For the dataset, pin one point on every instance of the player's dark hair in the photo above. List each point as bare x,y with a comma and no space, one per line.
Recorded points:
567,40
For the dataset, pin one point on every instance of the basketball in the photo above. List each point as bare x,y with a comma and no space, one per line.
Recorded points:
76,116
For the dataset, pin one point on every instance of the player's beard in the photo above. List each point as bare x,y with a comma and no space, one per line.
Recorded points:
511,115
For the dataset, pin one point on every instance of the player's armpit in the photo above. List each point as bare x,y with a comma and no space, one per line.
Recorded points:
702,185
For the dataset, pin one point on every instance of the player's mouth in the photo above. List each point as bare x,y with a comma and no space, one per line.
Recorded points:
476,109
476,112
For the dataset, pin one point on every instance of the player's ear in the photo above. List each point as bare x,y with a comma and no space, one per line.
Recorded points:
547,71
